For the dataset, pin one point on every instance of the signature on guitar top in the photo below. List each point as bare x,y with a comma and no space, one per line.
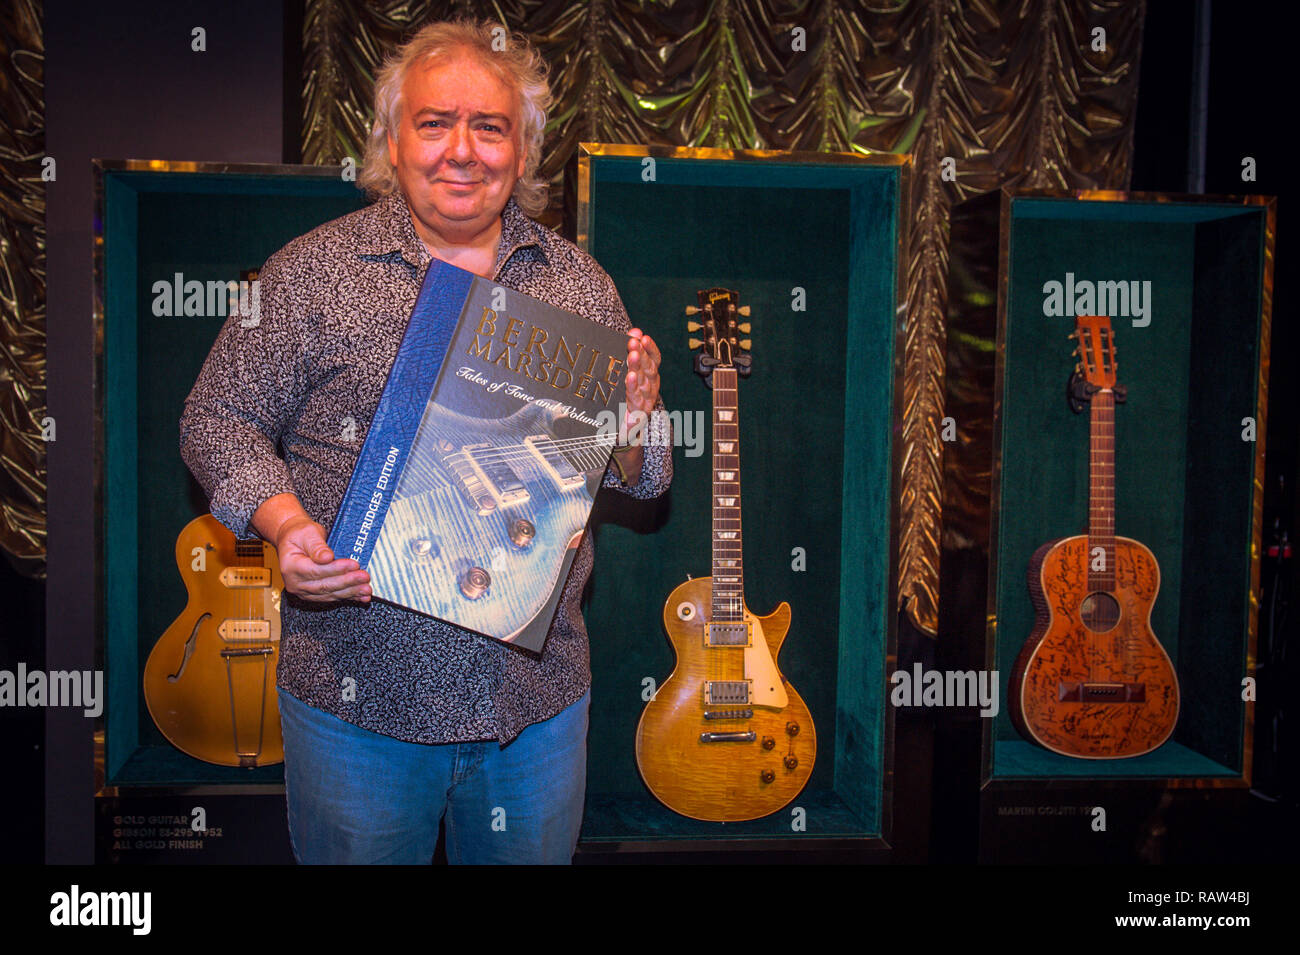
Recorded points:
1092,680
726,737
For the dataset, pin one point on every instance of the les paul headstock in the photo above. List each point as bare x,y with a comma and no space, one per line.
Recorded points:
1097,367
721,345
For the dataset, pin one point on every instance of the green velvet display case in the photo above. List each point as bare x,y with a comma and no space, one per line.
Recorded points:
167,222
1188,438
812,243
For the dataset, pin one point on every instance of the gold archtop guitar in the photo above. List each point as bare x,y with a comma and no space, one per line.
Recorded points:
726,738
210,680
1092,681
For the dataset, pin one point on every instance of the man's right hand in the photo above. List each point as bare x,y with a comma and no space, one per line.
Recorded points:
309,568
306,562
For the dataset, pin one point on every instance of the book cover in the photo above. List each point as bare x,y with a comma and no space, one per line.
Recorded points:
477,476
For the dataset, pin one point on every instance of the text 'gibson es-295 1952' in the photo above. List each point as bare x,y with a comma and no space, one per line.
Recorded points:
726,738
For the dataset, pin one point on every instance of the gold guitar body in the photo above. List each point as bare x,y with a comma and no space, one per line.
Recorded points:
210,680
732,780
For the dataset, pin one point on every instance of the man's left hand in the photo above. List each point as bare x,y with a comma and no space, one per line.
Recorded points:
642,395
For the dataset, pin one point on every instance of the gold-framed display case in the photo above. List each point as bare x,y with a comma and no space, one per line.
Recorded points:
160,225
812,242
1186,283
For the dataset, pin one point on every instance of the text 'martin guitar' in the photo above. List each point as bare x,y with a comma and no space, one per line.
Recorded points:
210,680
726,738
1092,681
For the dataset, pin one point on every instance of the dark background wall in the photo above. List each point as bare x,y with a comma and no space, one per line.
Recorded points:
123,82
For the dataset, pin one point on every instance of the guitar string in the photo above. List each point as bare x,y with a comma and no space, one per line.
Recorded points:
587,461
526,452
593,441
507,456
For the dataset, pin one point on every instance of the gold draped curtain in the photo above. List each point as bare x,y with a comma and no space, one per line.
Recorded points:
22,287
1034,92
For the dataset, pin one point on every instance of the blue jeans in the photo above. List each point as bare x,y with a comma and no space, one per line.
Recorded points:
360,797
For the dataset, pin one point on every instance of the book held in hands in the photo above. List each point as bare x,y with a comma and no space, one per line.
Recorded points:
478,473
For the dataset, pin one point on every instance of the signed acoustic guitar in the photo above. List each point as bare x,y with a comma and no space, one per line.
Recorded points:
1092,681
726,737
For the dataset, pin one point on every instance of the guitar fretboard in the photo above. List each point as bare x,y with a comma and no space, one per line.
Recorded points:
1101,492
728,573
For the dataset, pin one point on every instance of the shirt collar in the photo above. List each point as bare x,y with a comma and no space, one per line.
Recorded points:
385,227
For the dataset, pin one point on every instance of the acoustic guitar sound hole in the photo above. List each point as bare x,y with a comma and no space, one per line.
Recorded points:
1100,612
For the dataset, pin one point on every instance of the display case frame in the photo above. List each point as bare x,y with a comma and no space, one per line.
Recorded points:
129,196
975,468
626,819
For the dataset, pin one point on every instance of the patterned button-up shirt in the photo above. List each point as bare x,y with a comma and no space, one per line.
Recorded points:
283,404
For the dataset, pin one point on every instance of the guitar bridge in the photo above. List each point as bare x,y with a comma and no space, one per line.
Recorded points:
1101,692
728,714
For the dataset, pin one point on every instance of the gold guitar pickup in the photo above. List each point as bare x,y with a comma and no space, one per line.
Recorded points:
237,578
245,631
731,634
726,692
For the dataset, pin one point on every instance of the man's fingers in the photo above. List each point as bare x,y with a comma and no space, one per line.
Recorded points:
651,349
333,587
348,593
304,566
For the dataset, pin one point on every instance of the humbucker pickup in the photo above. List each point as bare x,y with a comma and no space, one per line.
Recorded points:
733,634
555,462
486,480
726,692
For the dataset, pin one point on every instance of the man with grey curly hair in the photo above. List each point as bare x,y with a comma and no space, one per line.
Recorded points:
394,722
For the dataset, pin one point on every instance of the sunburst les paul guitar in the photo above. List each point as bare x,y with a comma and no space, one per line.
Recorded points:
210,680
726,738
1092,681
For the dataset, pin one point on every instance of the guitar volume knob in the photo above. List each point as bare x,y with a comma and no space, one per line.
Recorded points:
792,728
769,742
522,533
767,776
475,582
791,762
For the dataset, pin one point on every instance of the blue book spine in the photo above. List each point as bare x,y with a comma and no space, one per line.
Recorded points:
411,381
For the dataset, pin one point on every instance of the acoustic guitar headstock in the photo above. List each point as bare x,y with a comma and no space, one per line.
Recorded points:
719,310
1097,367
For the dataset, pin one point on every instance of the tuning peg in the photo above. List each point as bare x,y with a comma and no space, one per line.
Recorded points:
745,343
695,343
692,310
744,327
744,310
693,326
